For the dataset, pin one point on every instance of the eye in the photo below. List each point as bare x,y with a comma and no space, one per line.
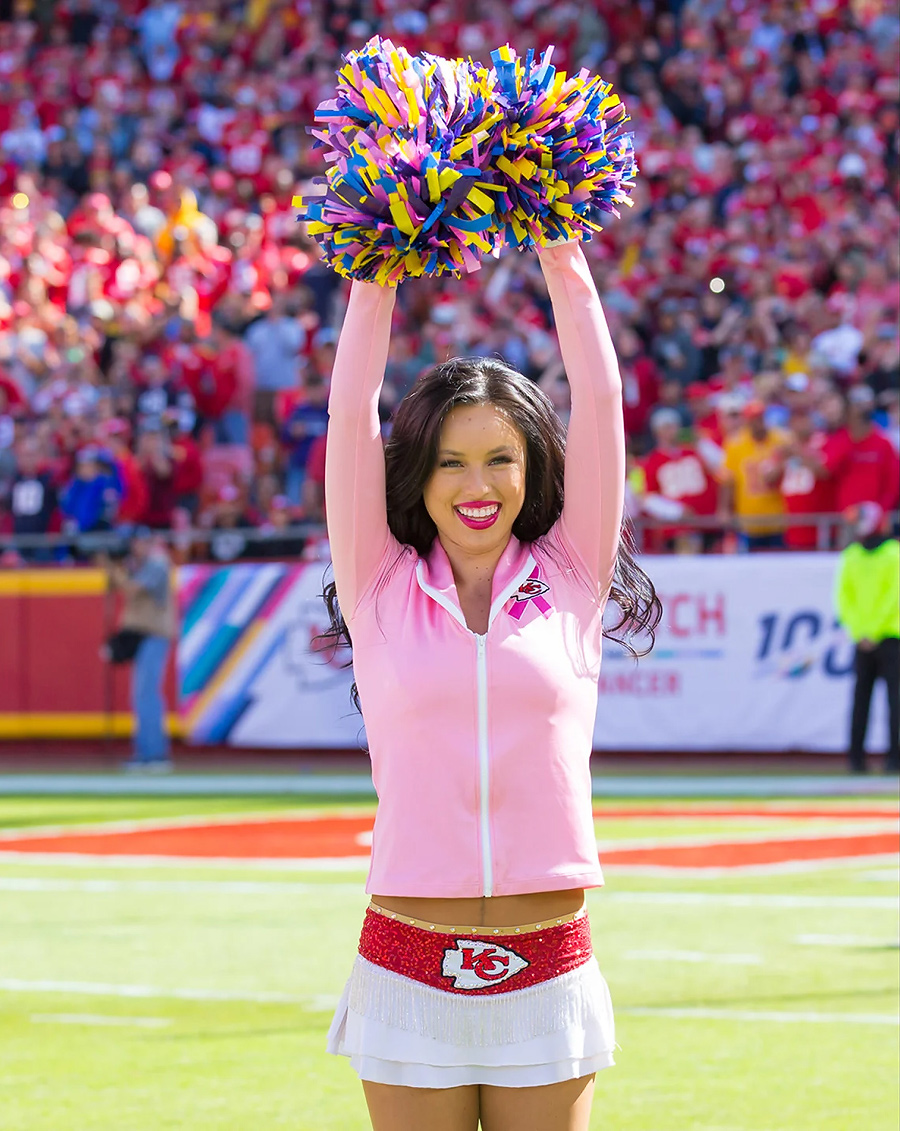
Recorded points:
449,463
501,459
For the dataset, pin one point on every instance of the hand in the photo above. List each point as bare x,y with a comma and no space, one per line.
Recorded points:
866,646
563,239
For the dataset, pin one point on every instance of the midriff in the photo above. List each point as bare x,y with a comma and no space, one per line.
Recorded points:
498,911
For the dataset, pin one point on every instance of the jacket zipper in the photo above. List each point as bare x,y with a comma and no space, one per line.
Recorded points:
484,769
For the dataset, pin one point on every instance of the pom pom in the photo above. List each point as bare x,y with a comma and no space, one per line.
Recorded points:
563,157
406,194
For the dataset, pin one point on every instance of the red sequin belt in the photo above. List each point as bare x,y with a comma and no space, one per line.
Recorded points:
475,963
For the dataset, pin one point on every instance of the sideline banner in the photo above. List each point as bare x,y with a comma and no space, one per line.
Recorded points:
748,658
250,672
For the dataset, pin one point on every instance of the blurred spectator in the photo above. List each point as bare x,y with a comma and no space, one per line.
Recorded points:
213,385
230,523
640,381
749,481
673,347
307,420
806,485
314,483
276,342
890,422
677,484
7,436
90,500
116,435
735,375
277,543
839,346
187,464
235,369
12,404
867,596
157,389
883,362
154,454
32,498
862,461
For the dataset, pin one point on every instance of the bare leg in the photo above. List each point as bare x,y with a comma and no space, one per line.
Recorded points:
394,1108
553,1107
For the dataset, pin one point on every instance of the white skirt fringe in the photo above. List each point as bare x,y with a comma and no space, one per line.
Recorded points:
398,1031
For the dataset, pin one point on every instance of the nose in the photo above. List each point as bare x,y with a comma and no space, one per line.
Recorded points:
475,484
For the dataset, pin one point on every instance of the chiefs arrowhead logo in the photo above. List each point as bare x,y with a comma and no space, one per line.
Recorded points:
473,965
531,588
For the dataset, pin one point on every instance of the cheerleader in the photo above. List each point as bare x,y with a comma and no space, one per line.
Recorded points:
473,558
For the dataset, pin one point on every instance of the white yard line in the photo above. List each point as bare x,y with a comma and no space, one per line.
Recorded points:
116,989
358,863
845,829
324,1002
882,876
99,1019
703,957
597,896
280,863
225,887
727,899
785,867
780,1017
842,940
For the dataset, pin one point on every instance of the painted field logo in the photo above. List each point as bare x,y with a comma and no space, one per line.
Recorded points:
474,965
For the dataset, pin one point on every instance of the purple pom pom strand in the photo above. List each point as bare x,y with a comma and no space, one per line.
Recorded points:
563,157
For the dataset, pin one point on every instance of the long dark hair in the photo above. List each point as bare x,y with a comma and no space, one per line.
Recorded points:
411,455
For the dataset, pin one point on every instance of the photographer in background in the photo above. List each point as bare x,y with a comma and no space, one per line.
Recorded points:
146,628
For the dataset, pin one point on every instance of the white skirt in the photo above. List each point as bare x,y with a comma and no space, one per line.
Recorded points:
399,1031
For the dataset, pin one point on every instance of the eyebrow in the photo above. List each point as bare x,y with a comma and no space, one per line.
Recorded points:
492,452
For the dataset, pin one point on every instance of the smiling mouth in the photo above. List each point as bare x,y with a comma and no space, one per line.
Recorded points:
480,516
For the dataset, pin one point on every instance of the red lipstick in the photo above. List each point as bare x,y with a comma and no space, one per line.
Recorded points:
473,514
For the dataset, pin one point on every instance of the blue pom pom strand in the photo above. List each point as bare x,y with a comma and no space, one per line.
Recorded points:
564,158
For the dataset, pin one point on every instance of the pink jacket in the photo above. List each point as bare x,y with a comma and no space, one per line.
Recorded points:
480,745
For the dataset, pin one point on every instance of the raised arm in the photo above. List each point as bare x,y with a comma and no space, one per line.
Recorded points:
595,446
354,458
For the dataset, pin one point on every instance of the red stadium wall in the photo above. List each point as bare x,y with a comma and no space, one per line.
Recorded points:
53,683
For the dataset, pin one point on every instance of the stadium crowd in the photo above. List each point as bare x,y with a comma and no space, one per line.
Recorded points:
168,328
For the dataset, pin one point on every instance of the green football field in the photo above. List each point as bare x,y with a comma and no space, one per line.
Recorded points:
141,993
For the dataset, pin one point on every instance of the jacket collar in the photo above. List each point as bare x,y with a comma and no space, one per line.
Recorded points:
434,575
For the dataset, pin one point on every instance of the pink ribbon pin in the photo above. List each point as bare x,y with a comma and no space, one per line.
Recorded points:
532,589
